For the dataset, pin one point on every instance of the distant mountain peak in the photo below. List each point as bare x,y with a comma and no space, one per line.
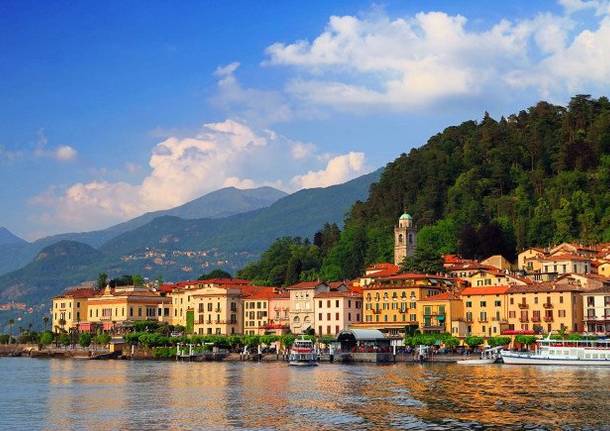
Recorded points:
8,237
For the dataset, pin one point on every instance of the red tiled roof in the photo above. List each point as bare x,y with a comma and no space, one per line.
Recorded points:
416,276
445,296
488,290
81,292
382,270
306,285
338,294
545,287
264,292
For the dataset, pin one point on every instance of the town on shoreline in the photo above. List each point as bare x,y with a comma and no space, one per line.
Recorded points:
563,291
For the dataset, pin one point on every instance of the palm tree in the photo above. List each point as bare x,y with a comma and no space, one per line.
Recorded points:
11,322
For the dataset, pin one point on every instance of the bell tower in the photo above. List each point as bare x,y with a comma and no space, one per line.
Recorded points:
404,238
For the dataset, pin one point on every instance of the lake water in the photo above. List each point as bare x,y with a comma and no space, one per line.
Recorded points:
108,395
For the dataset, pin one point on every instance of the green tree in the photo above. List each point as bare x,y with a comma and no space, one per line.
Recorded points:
526,340
64,340
84,340
474,341
498,341
102,280
216,273
46,338
102,339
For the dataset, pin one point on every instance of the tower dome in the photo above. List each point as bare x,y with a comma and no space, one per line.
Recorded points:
406,216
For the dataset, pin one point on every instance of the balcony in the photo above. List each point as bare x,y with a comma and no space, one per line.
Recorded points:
547,305
523,306
523,319
483,320
548,318
535,318
375,311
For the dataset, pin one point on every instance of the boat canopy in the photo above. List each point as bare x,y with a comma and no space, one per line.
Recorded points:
361,335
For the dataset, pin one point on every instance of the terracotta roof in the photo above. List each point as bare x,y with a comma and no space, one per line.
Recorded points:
445,296
79,292
417,276
603,289
545,287
486,290
167,288
381,270
231,281
337,284
338,294
265,292
306,285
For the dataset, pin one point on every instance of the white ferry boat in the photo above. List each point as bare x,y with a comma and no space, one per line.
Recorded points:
562,352
488,356
303,353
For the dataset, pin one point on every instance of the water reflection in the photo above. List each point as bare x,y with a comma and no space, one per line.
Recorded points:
63,395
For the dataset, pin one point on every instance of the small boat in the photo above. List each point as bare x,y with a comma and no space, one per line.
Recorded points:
303,353
488,356
562,352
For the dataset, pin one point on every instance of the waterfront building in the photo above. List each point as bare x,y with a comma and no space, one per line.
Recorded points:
266,311
545,307
70,308
390,304
485,310
442,313
336,309
596,311
404,238
302,305
183,300
218,310
115,306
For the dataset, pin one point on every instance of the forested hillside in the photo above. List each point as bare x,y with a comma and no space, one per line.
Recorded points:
538,177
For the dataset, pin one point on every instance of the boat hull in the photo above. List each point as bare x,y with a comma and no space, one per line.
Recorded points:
476,361
533,360
302,363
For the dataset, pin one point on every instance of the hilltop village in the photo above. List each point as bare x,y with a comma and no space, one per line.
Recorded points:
564,289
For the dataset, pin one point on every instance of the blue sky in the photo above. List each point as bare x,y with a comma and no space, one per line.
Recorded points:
113,109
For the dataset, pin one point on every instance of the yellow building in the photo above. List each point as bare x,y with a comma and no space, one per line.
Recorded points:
266,311
185,306
528,260
390,304
485,310
545,307
442,313
497,261
116,306
70,308
218,309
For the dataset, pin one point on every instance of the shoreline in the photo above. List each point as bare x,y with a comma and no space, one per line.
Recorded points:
29,351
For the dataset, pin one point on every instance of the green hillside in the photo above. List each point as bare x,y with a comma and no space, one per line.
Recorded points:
299,214
538,177
54,268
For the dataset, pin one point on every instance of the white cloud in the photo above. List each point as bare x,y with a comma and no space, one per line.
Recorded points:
300,150
424,60
182,169
62,153
338,170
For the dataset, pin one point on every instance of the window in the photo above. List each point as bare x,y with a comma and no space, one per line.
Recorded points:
210,306
468,304
337,303
483,303
327,316
336,316
319,316
498,303
328,303
349,316
320,304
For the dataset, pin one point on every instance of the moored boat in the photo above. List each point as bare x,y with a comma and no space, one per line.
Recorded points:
488,356
562,352
303,353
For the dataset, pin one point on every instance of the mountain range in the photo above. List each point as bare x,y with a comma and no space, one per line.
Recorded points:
173,245
15,252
